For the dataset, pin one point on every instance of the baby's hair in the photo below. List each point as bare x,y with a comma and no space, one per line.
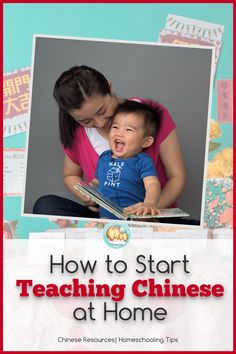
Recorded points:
151,115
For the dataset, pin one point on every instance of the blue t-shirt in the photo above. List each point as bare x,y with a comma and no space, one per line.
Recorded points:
121,180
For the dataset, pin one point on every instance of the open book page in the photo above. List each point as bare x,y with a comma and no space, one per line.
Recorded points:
97,197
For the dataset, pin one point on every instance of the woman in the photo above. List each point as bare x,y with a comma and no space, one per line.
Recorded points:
86,105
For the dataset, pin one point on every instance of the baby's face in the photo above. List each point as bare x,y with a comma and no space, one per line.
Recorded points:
126,137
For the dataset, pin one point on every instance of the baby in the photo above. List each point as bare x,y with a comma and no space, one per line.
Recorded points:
125,174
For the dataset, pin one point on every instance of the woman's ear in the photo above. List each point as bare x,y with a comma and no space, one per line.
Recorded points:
147,141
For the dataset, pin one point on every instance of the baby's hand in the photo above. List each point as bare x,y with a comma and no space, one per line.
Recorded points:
145,208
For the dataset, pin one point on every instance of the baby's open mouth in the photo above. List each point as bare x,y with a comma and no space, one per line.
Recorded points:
119,145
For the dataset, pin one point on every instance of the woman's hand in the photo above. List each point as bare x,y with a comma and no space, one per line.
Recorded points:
94,183
171,157
145,208
73,175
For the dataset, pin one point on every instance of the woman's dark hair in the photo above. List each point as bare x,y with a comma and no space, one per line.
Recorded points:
71,90
151,115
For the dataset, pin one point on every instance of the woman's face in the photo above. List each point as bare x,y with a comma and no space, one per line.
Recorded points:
96,112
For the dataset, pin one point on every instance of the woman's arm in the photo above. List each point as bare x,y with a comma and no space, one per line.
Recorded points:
171,157
72,175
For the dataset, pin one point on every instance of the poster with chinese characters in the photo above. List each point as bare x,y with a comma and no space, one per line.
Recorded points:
15,101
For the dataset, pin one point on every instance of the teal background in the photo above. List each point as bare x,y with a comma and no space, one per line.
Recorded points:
136,22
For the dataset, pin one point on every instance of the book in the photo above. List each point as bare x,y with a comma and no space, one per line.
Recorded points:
93,193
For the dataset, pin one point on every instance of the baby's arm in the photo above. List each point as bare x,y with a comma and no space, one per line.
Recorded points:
149,205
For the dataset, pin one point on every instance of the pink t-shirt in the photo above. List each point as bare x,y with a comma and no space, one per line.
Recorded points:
83,153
